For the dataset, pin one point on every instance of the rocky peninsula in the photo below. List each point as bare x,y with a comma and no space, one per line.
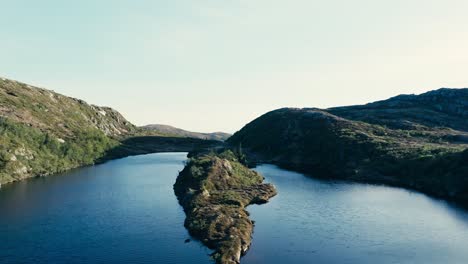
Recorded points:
214,190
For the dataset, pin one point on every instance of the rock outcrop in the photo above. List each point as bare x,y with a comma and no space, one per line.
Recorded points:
57,114
214,190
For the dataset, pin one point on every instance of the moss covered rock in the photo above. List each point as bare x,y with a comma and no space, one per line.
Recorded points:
214,190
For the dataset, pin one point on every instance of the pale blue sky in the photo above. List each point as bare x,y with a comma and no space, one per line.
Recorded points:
210,65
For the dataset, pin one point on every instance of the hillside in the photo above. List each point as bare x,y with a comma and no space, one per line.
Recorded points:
43,132
55,113
177,132
440,108
404,141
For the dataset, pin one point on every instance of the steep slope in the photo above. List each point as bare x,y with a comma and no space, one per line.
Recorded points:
43,132
368,146
177,132
55,113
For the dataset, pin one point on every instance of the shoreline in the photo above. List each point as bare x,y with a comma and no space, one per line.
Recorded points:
214,191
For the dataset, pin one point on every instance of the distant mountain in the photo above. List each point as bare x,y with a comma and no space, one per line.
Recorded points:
415,141
177,132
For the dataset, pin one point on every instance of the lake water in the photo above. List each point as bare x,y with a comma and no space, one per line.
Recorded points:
313,221
125,211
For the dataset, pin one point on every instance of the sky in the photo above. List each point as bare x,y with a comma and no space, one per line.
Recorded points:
210,65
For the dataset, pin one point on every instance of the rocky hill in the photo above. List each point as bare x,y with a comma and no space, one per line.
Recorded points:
177,132
55,113
415,141
43,132
440,108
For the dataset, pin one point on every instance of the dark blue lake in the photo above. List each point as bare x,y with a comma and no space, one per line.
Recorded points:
125,211
313,221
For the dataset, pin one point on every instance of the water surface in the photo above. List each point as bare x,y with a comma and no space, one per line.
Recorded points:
313,221
123,211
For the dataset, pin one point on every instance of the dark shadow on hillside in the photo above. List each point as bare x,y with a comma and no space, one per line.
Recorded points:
152,144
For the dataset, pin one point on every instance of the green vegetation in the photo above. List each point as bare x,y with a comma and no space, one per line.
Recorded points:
57,114
27,151
42,132
372,143
413,141
214,190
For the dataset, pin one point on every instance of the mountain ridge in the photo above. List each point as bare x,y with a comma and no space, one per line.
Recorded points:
174,131
56,113
417,142
442,107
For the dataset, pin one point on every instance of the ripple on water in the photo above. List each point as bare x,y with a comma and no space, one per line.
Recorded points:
313,221
123,211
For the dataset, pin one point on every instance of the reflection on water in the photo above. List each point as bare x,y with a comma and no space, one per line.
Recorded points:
313,221
123,211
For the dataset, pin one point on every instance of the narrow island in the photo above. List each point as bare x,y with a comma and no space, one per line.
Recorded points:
214,189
